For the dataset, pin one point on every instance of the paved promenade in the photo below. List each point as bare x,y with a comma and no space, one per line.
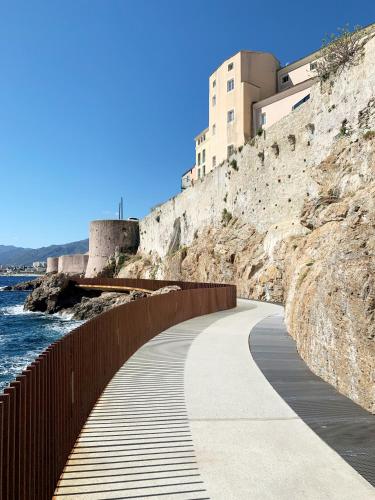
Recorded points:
191,416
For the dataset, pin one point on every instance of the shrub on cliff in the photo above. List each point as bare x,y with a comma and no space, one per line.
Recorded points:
339,51
226,217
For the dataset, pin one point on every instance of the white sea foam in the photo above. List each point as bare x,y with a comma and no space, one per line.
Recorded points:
12,365
63,316
13,310
60,328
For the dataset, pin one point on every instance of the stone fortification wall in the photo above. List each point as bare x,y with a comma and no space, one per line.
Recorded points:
52,264
107,238
263,185
73,264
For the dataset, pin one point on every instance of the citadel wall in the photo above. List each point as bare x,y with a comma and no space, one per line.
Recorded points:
73,264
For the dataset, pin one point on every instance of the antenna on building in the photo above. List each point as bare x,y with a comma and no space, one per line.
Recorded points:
121,209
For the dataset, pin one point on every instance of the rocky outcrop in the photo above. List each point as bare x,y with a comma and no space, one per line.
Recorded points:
88,307
296,228
53,294
58,294
165,289
24,286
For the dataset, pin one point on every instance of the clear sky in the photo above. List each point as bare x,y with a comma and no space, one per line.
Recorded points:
100,99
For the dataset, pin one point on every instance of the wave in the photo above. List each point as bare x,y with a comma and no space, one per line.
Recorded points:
61,321
13,310
63,316
11,366
64,328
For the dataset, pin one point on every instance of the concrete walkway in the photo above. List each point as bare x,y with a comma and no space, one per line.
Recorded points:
342,424
191,416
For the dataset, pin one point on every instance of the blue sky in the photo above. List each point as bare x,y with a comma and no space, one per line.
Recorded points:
100,99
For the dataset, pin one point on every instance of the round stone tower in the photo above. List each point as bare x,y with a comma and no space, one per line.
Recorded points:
52,264
108,237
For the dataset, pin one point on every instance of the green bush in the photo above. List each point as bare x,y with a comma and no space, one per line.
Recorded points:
234,165
339,51
370,134
226,217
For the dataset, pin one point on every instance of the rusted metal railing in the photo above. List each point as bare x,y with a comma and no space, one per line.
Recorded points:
44,409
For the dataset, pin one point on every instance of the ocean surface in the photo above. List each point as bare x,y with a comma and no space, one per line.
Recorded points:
24,335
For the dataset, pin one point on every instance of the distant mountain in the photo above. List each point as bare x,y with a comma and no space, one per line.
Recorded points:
18,256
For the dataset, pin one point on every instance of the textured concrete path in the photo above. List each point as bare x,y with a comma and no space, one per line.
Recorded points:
191,416
342,424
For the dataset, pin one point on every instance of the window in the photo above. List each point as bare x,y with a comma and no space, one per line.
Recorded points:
204,156
204,169
230,116
214,100
304,99
213,161
263,119
285,79
230,66
230,150
230,85
313,65
199,173
214,129
199,158
214,83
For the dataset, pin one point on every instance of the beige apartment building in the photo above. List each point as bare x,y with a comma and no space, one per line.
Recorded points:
243,79
247,92
293,89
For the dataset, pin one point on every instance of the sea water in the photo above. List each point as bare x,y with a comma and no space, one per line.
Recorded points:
23,334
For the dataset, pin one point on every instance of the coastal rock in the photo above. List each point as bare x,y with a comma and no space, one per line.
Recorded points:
57,294
54,293
166,289
90,307
25,286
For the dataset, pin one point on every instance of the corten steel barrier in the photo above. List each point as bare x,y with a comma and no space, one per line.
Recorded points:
43,410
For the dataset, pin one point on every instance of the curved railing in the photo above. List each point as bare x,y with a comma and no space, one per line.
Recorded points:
44,409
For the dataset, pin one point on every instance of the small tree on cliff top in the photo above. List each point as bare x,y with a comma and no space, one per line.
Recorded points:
340,50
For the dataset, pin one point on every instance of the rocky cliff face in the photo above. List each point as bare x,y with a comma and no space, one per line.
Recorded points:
293,224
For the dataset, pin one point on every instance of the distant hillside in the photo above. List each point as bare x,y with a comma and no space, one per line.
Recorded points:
18,256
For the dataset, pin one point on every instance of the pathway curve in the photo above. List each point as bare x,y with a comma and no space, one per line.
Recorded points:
345,426
191,416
